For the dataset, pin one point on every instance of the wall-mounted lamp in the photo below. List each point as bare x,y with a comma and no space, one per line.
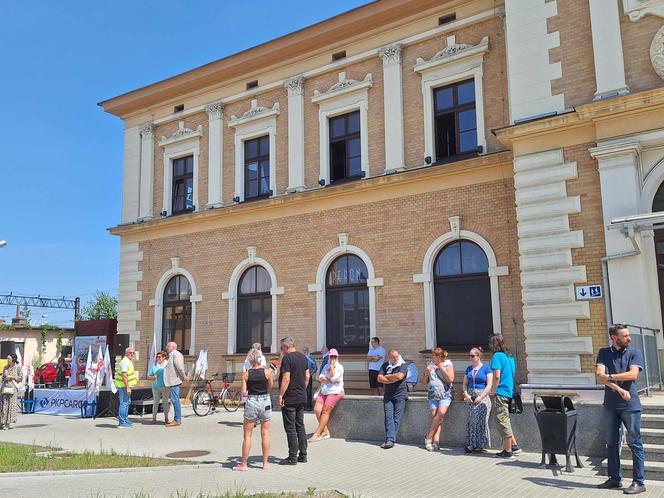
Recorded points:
427,159
321,182
236,198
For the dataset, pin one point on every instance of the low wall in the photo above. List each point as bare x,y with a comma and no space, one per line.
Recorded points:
361,418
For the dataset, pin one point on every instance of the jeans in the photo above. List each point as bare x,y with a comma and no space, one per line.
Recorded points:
175,401
613,419
123,408
293,418
393,412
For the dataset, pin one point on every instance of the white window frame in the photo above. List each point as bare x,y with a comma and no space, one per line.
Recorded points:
188,147
255,123
350,96
427,278
319,287
231,297
464,62
158,302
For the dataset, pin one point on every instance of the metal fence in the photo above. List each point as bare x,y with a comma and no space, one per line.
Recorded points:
645,340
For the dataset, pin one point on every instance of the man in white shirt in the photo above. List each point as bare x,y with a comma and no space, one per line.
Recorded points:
376,358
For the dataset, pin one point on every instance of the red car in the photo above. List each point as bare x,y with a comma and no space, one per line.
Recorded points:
48,372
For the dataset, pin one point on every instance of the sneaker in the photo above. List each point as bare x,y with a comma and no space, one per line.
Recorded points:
288,461
516,449
504,454
124,426
610,484
174,423
468,449
387,445
302,459
634,489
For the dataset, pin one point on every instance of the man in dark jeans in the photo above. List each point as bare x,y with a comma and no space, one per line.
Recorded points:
393,377
618,368
293,380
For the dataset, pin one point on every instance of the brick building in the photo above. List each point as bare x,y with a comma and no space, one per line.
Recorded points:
425,171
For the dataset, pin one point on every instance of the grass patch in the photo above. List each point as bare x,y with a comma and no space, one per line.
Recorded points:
25,458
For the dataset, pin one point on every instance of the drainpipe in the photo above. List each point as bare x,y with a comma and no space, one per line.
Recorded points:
629,233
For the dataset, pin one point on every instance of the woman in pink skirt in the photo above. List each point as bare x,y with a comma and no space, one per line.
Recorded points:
331,392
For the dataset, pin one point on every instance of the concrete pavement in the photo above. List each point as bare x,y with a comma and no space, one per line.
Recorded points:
355,468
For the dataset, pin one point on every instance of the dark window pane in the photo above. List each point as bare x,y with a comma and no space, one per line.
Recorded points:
658,201
448,262
264,147
264,187
176,321
338,272
468,141
444,98
337,127
252,189
264,170
251,171
251,149
357,270
466,93
473,258
248,281
467,120
189,164
263,281
354,147
338,160
354,166
445,136
185,289
189,204
353,122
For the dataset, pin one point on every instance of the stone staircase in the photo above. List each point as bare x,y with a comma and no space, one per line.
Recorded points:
652,432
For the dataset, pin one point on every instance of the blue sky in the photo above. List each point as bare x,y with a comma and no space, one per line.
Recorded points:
61,159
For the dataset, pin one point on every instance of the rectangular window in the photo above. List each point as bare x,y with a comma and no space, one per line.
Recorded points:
183,185
257,168
455,120
345,150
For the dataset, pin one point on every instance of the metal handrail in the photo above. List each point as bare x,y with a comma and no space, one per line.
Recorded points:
646,366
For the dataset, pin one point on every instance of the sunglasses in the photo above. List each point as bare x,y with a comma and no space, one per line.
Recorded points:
473,355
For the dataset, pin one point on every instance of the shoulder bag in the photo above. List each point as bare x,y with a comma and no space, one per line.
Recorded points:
516,404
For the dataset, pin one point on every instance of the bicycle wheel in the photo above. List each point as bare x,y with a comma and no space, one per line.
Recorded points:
232,399
202,403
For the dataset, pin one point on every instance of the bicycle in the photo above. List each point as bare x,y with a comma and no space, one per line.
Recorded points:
205,400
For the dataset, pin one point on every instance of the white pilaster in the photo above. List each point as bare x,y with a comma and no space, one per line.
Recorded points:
128,294
131,178
393,106
295,87
607,48
215,154
147,172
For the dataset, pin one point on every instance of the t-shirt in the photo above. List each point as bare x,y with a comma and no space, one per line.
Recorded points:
125,363
159,372
619,361
338,376
395,390
507,366
247,365
413,374
379,351
480,377
312,364
437,388
295,363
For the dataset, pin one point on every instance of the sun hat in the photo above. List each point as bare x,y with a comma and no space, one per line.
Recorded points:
333,352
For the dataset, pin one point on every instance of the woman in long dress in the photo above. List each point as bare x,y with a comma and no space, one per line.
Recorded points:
11,376
476,388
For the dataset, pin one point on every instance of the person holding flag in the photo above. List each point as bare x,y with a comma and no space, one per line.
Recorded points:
125,379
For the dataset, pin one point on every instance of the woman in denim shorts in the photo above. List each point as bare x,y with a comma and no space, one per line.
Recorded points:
256,386
439,375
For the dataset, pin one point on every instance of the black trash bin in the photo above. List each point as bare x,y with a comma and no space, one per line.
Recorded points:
556,420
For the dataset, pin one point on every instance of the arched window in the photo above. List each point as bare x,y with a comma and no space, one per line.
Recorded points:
463,296
658,201
254,309
347,304
176,324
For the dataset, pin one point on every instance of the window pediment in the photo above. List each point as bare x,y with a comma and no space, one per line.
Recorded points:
452,52
255,113
343,87
636,9
183,133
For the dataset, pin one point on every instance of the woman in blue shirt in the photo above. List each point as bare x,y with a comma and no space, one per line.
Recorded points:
476,387
159,389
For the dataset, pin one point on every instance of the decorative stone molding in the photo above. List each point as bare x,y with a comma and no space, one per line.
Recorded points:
453,51
147,131
343,241
251,254
215,110
181,134
636,9
295,86
343,86
175,263
657,52
455,225
390,55
254,113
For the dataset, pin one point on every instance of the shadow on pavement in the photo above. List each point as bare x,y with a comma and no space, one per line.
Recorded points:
107,426
558,483
230,424
253,462
30,426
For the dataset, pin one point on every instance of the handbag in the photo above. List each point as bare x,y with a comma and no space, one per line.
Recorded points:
8,389
516,404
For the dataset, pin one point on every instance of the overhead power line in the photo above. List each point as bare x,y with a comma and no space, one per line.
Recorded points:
42,302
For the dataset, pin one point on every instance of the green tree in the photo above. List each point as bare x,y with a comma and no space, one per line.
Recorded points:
101,307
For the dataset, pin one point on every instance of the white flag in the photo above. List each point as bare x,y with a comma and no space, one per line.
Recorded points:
30,371
152,355
109,373
73,367
90,371
201,363
101,370
205,364
18,356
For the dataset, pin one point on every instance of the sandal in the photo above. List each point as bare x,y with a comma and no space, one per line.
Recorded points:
428,445
325,435
467,449
436,445
314,438
240,467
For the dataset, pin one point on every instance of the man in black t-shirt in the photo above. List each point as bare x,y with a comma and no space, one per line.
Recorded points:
293,380
393,377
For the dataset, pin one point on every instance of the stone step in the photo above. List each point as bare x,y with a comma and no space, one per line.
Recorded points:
652,436
654,471
653,409
652,452
652,421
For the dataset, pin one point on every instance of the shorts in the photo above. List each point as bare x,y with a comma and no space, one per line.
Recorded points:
434,404
502,409
373,379
258,408
329,400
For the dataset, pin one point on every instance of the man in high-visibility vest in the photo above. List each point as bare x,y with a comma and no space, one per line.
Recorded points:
125,379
